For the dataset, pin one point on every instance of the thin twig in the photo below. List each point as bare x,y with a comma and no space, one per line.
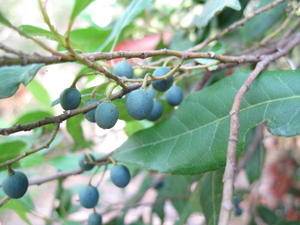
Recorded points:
230,167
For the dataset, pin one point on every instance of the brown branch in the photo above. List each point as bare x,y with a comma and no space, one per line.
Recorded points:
235,25
229,173
64,116
25,154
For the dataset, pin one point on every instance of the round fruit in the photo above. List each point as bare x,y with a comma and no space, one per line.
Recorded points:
156,112
84,162
70,98
15,185
139,104
90,115
151,93
120,175
123,69
88,197
106,115
165,84
95,219
174,95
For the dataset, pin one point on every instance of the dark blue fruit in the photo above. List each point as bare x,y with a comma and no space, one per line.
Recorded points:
174,95
84,162
120,175
165,84
70,98
90,115
156,112
238,211
95,219
123,69
88,197
151,92
139,104
15,185
106,115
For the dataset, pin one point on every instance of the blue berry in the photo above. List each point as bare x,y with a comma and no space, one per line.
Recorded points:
151,92
70,98
15,185
123,69
106,115
120,175
174,95
95,219
90,115
84,162
139,104
156,112
88,197
165,84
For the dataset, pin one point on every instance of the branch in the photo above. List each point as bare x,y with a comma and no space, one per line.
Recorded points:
229,173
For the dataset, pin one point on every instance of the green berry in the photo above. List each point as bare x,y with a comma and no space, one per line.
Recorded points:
174,95
88,197
164,84
120,175
15,185
106,115
84,162
123,69
70,98
95,219
139,104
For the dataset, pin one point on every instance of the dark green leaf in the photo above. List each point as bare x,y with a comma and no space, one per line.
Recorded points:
211,196
12,76
39,92
198,130
255,164
37,31
74,128
213,7
132,11
79,5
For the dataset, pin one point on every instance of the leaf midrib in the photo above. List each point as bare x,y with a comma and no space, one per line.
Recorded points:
215,121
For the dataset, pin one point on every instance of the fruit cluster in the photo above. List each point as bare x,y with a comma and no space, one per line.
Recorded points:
140,103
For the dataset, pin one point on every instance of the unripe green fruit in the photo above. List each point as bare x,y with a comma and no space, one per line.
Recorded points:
106,115
95,219
164,84
139,104
84,162
88,197
120,175
174,95
123,69
70,98
90,115
156,112
15,185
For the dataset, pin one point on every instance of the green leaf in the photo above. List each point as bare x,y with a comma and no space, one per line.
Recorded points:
255,164
198,130
10,150
65,162
32,161
39,92
4,21
211,196
32,116
12,76
136,125
212,8
74,128
255,27
79,5
132,11
37,31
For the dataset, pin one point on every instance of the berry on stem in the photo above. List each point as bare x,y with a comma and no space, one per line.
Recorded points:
123,69
90,115
164,84
156,112
174,95
84,162
106,115
88,197
120,175
70,98
139,104
16,184
95,219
